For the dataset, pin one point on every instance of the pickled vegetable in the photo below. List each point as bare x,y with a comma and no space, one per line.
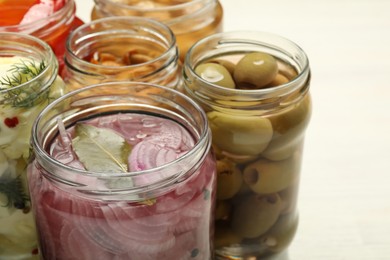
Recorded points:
264,176
222,210
229,179
175,224
255,214
259,127
242,135
288,129
281,234
21,99
216,74
224,236
255,70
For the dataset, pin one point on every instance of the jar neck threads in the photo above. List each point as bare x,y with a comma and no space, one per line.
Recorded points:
123,36
114,98
33,52
240,43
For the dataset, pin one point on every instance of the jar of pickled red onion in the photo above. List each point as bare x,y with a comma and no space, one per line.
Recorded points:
28,82
190,20
123,170
122,49
254,88
49,20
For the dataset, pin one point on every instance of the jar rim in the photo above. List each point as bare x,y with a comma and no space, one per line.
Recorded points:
171,41
46,50
249,38
153,9
158,9
202,139
31,27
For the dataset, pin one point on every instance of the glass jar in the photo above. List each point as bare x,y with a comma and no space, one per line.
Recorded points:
28,82
143,189
53,28
258,133
190,20
121,49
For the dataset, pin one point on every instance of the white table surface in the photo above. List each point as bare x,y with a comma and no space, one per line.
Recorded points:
345,188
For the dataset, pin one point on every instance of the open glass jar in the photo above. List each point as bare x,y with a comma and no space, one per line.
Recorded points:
254,88
190,20
122,49
50,21
123,170
28,82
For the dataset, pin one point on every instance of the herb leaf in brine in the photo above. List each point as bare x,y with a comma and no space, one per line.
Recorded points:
100,149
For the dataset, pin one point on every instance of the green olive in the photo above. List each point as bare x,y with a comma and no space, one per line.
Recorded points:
281,234
237,158
255,214
289,127
264,176
227,64
255,70
278,80
224,236
239,134
244,190
283,148
289,197
216,74
222,210
229,179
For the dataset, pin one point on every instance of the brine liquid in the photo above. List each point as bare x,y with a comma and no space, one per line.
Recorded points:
174,225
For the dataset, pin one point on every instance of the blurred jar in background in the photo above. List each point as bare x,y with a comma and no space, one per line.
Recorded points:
190,20
49,20
121,49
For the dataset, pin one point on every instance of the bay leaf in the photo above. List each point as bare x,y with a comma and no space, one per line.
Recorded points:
100,149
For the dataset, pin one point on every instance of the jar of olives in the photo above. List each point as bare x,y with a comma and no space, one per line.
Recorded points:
190,20
254,88
121,49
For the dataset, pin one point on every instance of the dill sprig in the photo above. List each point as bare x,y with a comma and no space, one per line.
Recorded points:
13,190
19,73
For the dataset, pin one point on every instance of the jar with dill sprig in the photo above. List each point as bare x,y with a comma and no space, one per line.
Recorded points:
28,82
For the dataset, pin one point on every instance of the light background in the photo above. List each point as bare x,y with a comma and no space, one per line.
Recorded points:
345,188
